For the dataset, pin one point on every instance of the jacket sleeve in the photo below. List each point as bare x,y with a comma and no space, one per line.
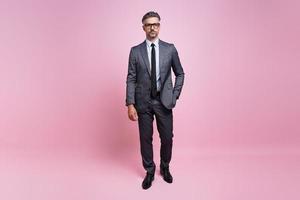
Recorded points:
178,71
131,79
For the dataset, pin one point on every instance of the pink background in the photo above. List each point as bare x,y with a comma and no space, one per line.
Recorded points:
64,131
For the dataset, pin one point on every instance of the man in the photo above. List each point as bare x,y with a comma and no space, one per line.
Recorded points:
150,93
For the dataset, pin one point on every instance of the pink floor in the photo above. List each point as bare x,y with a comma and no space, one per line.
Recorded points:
234,175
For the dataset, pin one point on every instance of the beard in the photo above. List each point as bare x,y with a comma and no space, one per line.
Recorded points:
152,34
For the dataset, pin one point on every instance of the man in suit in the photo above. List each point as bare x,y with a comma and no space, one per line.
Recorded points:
150,93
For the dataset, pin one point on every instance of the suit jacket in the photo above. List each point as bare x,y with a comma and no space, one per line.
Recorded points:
139,76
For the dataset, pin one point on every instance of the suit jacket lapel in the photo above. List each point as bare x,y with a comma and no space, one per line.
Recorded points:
162,53
145,56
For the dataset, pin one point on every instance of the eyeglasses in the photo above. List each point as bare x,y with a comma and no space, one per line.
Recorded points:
155,25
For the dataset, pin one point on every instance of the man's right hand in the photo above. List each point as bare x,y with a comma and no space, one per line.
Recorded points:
132,114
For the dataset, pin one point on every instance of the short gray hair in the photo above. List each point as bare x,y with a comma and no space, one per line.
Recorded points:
150,14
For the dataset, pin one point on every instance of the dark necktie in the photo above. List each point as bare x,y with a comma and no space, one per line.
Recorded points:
153,73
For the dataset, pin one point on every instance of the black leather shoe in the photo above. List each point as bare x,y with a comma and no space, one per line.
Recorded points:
165,172
147,182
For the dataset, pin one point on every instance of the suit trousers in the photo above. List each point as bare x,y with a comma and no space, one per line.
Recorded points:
164,122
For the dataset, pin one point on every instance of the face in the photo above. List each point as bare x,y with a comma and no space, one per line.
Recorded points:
151,27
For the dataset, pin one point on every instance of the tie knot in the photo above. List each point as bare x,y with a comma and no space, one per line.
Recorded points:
152,45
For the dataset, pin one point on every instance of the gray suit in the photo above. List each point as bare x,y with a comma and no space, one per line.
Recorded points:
138,93
138,77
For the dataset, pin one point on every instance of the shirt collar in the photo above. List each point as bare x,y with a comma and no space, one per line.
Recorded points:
149,42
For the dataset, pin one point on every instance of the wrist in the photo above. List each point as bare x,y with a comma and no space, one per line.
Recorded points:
130,106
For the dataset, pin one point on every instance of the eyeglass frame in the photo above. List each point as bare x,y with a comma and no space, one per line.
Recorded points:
155,25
